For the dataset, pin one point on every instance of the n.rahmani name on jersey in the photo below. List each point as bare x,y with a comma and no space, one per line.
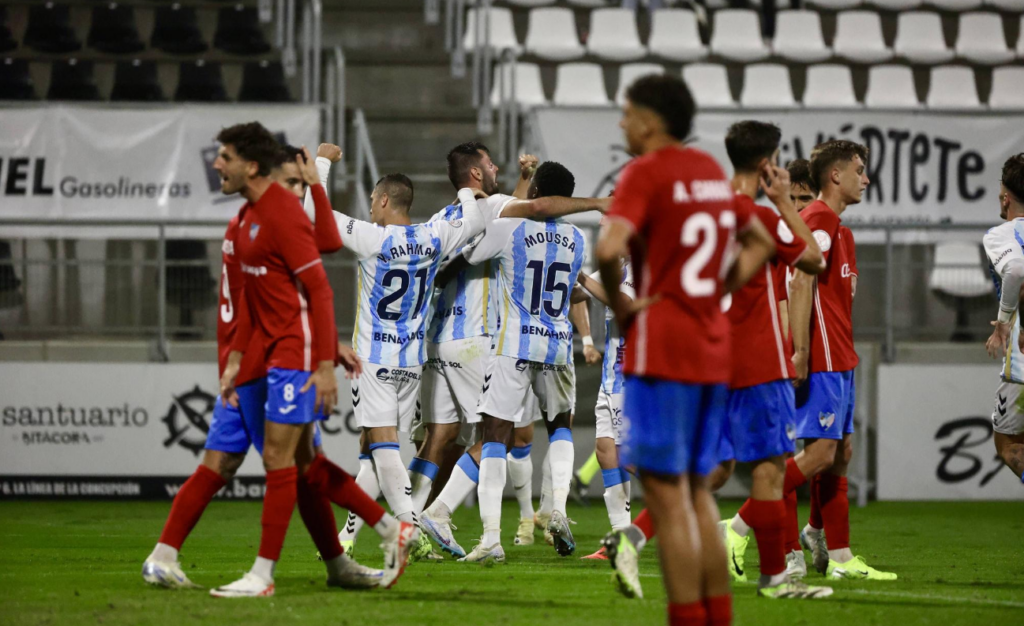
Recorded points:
1004,243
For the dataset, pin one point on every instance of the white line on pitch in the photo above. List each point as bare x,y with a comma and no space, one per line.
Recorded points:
924,596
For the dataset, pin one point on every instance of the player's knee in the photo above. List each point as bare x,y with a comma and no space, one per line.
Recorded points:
229,465
721,474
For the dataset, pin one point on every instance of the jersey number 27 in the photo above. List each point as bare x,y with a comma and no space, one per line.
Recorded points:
704,224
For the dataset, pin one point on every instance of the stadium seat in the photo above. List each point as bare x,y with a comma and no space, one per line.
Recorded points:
897,5
113,29
836,5
1007,89
580,84
200,81
530,3
829,87
529,88
798,37
629,73
1012,6
981,39
859,37
264,82
49,29
7,40
1020,39
767,85
239,32
590,4
955,5
957,277
919,38
613,35
675,36
551,34
502,32
891,87
709,85
737,36
136,80
15,81
176,30
952,87
72,79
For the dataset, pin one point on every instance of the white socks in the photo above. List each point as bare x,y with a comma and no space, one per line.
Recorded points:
739,526
546,499
616,497
387,527
421,474
394,480
367,481
520,468
561,458
264,568
492,486
164,553
463,481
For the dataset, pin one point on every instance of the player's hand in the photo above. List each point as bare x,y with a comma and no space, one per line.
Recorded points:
307,167
591,355
625,309
350,361
801,365
228,395
603,204
326,388
775,183
528,165
996,344
329,151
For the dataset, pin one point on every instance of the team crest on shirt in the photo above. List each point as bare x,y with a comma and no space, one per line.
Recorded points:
791,432
824,240
521,365
253,231
826,419
383,375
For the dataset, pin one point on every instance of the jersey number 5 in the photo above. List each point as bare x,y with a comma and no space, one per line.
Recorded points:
404,279
696,225
551,285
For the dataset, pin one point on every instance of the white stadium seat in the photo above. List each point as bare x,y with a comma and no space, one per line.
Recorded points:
709,85
613,35
503,34
836,5
531,3
580,84
952,87
737,36
891,87
629,73
981,39
919,38
829,87
1020,39
958,271
551,34
1006,5
674,36
859,37
767,85
1007,88
529,88
955,5
897,5
798,37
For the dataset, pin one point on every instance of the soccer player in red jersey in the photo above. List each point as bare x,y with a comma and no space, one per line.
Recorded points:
675,214
287,306
821,317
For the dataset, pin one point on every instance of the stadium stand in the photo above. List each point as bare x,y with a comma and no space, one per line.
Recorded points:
15,81
859,37
136,80
73,79
552,35
891,87
580,84
737,36
675,36
239,32
919,38
957,278
7,40
176,30
1007,89
710,85
113,30
630,72
614,36
264,81
953,87
49,29
502,31
799,39
200,81
529,88
981,39
829,87
767,85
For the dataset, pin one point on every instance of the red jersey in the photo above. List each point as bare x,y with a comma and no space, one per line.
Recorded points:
683,212
832,306
227,312
759,353
851,247
288,303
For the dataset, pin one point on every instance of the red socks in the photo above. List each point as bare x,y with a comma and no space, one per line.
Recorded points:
189,505
791,530
318,516
794,477
835,510
693,614
815,519
767,518
278,503
340,488
719,610
644,522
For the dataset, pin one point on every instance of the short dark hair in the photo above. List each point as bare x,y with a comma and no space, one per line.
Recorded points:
749,141
800,174
398,187
1013,176
667,96
826,155
553,179
252,142
461,159
286,154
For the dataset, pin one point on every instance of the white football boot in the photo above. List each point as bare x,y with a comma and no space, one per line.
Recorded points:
166,574
485,555
396,553
248,586
352,575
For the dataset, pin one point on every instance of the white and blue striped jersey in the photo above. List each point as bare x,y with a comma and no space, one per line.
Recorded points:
397,267
1004,244
612,380
463,308
538,263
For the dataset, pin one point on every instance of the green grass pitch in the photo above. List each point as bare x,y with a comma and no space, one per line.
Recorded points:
78,563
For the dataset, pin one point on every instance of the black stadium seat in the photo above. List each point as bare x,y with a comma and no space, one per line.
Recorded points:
176,30
72,79
264,82
49,29
239,32
15,81
113,29
136,81
200,81
7,41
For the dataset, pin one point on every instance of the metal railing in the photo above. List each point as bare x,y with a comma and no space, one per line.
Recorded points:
365,173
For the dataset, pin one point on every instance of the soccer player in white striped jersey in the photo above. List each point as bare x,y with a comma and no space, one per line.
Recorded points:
538,263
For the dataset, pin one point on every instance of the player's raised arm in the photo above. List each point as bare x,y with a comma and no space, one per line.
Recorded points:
775,183
527,166
553,207
457,233
757,247
314,174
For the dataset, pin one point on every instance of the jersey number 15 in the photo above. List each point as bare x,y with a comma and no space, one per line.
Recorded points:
551,285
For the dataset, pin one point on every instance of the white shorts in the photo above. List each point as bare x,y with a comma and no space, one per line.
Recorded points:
386,396
508,383
608,412
452,380
1008,415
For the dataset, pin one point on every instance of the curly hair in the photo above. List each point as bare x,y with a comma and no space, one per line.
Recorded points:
253,142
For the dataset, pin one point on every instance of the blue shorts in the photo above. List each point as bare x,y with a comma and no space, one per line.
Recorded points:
285,403
233,430
824,405
671,428
761,423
